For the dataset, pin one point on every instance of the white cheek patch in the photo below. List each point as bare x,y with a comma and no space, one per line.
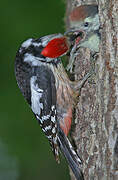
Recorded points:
36,94
35,61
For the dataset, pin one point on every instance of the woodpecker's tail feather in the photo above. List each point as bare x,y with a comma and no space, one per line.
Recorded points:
73,159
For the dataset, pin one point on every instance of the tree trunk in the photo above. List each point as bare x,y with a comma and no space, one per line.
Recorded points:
96,132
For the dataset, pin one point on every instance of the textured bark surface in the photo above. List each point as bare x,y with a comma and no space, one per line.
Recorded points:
96,132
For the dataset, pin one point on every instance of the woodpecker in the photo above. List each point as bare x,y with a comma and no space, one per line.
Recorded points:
84,18
48,90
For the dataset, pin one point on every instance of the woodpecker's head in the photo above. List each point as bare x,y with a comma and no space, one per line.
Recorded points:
85,18
46,49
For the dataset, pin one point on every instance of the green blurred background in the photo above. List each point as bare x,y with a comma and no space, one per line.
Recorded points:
24,151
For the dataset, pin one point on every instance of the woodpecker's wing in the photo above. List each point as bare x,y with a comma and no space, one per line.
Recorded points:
43,103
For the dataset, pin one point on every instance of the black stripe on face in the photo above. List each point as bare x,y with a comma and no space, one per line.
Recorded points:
35,51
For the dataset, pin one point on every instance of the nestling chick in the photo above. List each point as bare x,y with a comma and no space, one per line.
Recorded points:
85,19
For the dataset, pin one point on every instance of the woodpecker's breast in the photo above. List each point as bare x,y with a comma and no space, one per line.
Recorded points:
65,98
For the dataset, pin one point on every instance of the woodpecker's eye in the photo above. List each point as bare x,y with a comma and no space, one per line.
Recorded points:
86,24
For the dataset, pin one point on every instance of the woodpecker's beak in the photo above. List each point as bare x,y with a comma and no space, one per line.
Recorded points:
74,36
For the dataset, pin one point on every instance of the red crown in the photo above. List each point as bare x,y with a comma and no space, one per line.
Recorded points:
55,48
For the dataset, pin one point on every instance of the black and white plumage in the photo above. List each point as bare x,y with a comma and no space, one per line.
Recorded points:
48,90
37,84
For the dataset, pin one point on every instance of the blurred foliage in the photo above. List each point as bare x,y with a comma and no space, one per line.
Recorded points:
24,151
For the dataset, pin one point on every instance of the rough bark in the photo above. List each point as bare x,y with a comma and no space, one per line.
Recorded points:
96,132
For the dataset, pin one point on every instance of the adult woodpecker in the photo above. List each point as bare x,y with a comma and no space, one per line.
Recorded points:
52,96
84,18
